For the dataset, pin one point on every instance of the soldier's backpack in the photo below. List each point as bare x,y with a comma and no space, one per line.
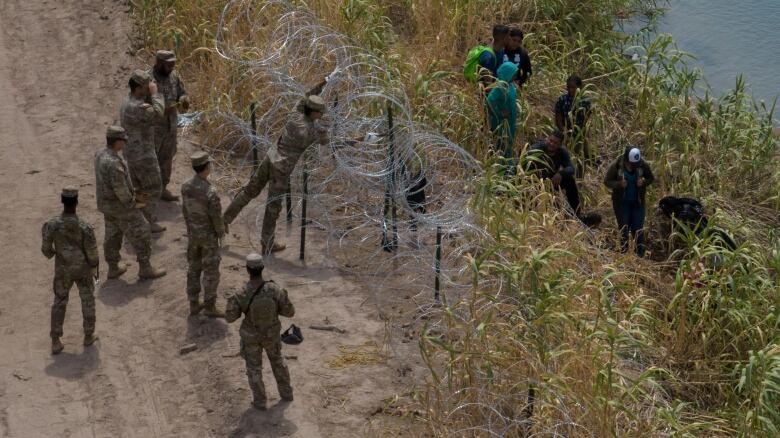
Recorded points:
262,309
471,65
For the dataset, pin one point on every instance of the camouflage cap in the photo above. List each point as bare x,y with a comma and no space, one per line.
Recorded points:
254,261
70,192
165,56
140,77
114,131
200,158
315,103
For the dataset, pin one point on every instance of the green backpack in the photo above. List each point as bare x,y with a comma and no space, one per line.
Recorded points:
471,66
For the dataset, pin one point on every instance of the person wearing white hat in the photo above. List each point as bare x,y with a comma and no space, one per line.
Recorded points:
628,177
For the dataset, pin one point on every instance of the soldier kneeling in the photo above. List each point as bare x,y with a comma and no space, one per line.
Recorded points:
261,302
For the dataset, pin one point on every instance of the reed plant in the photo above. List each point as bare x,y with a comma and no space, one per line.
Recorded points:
559,335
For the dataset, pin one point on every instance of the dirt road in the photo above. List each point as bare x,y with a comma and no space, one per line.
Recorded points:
63,70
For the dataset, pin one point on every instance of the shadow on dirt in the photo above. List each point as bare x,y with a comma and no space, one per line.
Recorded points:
72,366
267,424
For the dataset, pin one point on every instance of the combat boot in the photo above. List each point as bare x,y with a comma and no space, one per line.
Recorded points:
195,307
90,339
56,346
147,272
155,228
115,270
168,196
259,405
286,395
210,309
275,247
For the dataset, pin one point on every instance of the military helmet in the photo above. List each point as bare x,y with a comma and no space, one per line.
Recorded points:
116,132
315,103
200,158
70,192
292,335
254,261
141,77
165,56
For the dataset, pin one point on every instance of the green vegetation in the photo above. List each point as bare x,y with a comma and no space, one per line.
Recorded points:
611,345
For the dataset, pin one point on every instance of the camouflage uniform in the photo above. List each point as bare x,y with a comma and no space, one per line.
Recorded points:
203,214
72,241
172,89
116,200
300,132
262,303
138,116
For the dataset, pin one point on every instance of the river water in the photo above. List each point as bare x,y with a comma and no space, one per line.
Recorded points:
729,38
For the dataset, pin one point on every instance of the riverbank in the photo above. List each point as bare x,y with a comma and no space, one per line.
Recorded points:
544,328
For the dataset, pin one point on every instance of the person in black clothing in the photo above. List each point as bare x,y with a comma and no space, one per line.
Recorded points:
518,55
572,111
556,165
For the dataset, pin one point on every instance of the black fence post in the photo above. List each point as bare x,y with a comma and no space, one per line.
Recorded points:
253,123
390,244
288,200
437,266
304,220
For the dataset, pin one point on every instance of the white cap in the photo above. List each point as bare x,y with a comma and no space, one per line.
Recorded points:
634,156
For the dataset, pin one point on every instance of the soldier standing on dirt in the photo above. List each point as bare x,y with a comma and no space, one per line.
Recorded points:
172,88
203,214
303,128
121,212
143,107
73,243
261,302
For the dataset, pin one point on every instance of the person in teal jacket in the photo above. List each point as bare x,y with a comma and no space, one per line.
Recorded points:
502,107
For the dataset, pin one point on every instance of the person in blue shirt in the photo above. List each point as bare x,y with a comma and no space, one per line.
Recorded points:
491,61
628,177
502,111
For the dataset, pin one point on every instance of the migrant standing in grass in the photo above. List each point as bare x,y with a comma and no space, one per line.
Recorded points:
261,302
202,212
121,210
628,177
172,88
572,111
482,62
518,55
302,129
554,163
502,109
141,109
71,242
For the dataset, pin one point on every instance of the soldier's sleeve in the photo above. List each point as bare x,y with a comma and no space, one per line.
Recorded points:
158,106
323,132
215,213
90,245
119,185
47,245
285,305
232,308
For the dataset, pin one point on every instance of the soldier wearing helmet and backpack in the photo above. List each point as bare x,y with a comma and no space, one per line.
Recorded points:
261,302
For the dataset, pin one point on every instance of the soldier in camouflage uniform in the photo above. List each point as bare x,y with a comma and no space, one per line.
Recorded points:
121,211
261,302
73,243
203,214
141,109
301,131
172,88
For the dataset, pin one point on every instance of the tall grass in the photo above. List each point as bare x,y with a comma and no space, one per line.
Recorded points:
560,336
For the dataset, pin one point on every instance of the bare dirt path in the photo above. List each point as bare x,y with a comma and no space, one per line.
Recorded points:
63,70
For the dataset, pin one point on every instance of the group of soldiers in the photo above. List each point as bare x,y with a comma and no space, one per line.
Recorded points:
133,171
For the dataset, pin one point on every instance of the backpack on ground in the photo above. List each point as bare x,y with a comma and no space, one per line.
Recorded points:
686,210
471,65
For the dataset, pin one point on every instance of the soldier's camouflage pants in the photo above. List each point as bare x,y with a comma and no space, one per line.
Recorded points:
203,258
166,145
131,225
145,176
277,186
63,282
252,352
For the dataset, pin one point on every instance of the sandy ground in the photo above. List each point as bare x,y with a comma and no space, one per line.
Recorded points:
63,70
